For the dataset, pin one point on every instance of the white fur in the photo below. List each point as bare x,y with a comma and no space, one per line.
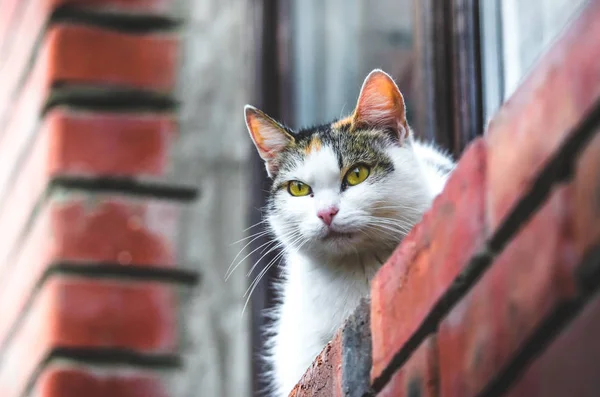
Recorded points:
325,280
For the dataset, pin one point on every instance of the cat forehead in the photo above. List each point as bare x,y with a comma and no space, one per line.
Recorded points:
331,150
309,156
347,147
320,164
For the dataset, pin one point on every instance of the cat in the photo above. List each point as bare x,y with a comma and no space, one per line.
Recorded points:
343,196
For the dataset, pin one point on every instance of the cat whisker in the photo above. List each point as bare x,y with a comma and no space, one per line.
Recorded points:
268,249
394,227
396,223
258,278
232,268
395,220
396,231
390,234
273,248
402,211
257,235
251,289
256,224
294,235
261,273
399,210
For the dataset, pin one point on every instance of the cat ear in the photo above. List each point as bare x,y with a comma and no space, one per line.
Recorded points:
381,105
268,135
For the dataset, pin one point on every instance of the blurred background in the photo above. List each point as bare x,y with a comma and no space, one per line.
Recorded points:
303,62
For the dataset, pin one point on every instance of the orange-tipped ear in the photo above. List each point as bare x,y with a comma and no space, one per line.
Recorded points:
381,105
268,135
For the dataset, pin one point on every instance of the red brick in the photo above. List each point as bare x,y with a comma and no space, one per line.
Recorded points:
85,144
88,55
83,229
527,283
419,273
569,366
10,19
21,23
587,197
68,381
146,229
132,6
530,127
81,55
72,312
418,376
115,144
324,377
76,143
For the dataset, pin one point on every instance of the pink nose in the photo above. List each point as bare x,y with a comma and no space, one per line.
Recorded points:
327,214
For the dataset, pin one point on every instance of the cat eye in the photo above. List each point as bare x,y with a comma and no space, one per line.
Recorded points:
357,174
298,189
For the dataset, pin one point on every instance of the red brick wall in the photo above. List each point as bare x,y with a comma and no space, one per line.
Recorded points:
495,291
88,268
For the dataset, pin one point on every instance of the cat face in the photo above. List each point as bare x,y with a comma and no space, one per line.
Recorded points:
346,187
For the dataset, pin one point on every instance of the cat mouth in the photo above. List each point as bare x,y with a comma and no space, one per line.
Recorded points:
335,235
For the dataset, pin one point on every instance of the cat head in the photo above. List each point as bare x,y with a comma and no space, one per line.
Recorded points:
349,186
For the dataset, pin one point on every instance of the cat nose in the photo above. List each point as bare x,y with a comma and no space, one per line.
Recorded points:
327,214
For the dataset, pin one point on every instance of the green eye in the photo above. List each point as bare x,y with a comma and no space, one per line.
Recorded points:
357,174
298,189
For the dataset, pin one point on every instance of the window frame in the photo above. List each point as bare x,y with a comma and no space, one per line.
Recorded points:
449,72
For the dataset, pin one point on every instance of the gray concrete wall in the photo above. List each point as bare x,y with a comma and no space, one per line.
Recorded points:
212,153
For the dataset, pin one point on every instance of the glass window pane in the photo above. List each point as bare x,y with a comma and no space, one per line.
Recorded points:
529,27
515,34
336,43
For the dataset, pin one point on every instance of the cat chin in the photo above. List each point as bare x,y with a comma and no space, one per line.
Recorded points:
338,246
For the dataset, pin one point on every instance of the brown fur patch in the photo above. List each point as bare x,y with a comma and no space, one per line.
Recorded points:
314,145
340,124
